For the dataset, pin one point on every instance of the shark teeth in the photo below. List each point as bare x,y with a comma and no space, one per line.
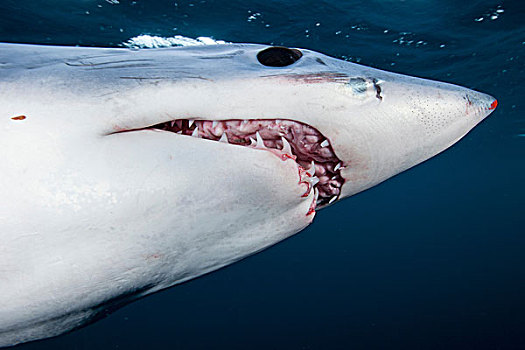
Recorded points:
260,142
337,166
286,146
190,123
332,199
214,123
195,132
224,138
325,143
314,181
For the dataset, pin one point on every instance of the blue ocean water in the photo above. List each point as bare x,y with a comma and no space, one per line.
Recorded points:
433,258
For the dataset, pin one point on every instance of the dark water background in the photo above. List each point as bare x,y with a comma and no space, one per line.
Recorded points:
431,259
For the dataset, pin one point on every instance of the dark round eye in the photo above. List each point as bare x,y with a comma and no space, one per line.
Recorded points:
278,56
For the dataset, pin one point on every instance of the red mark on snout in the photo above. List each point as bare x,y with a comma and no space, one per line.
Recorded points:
494,104
19,117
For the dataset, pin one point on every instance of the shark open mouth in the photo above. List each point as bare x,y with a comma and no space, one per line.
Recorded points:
318,165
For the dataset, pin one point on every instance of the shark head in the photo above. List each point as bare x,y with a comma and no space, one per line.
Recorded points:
129,171
357,126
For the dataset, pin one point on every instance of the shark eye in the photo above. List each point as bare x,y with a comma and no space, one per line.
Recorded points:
278,56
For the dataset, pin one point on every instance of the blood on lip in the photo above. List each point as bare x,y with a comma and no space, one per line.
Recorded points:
303,175
287,156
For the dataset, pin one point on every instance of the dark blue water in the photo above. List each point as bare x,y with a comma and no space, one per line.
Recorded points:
431,259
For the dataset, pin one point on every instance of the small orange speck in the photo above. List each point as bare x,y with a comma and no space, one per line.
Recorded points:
19,117
494,104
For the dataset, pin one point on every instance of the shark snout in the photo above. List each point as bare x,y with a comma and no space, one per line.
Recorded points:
415,120
437,114
480,103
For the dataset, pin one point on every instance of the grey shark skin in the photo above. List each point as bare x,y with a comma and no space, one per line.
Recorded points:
98,209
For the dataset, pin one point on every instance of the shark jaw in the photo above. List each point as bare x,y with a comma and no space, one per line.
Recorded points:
319,167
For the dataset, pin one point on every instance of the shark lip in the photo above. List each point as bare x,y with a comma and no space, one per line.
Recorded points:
319,167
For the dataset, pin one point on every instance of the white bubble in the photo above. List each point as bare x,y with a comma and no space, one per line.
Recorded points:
149,42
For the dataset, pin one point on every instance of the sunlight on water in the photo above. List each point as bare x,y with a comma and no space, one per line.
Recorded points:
148,41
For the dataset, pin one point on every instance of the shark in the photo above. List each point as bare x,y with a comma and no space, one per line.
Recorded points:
125,172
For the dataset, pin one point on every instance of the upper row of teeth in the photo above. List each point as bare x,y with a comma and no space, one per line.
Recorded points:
224,137
259,142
